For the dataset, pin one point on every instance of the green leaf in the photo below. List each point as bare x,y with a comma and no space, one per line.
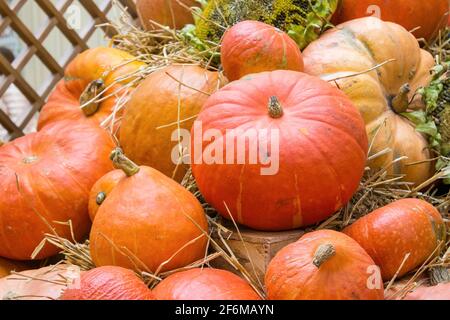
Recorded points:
428,128
416,117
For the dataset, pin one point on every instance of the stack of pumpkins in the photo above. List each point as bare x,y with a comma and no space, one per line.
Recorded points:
317,113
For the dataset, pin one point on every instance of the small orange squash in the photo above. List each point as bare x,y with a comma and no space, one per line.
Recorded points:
148,222
204,284
388,234
109,283
323,265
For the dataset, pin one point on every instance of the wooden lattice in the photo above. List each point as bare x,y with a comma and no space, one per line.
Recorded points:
97,9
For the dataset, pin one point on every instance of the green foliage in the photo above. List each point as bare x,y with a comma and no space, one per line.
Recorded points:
303,20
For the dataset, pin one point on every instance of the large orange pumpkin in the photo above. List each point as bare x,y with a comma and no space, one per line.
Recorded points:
109,283
168,100
323,265
424,18
85,77
408,226
380,95
253,46
45,179
6,266
148,221
47,283
311,133
169,13
204,284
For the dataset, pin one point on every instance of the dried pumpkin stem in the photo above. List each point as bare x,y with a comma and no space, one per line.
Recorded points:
400,102
87,99
275,108
120,161
323,253
439,275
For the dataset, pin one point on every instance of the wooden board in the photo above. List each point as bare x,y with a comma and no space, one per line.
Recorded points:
254,247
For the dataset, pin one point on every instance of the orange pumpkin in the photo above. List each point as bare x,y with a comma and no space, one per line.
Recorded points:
47,283
323,265
424,18
167,100
348,53
253,46
388,234
101,190
172,13
204,284
45,179
89,74
6,266
148,221
109,283
311,133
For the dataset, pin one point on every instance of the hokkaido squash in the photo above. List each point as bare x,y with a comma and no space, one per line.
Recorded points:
424,18
204,284
148,221
280,139
388,234
165,102
380,95
109,283
47,283
45,178
89,74
252,47
101,190
172,13
6,266
323,265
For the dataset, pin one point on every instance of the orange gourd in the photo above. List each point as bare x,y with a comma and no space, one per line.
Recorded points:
204,284
166,101
94,71
311,131
45,178
148,222
323,265
171,13
253,46
388,234
109,283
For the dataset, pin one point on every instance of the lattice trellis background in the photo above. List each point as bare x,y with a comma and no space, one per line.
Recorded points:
59,16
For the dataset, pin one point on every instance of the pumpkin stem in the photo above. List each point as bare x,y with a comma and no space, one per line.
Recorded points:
120,161
323,253
275,108
400,102
88,106
439,275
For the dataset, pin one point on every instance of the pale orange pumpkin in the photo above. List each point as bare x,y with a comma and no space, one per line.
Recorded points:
348,53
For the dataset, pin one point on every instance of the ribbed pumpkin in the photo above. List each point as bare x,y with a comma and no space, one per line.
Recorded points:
380,95
167,100
45,179
204,284
85,77
408,226
312,133
148,221
6,266
424,18
252,47
101,190
109,283
47,283
172,13
323,265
